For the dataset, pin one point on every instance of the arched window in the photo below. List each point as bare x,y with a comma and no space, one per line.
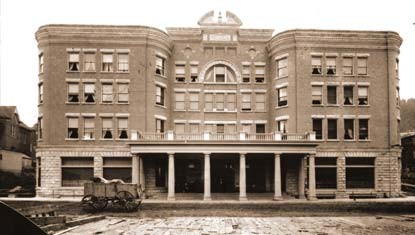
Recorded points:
220,73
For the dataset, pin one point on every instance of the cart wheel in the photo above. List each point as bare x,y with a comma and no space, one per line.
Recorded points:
100,204
127,200
87,202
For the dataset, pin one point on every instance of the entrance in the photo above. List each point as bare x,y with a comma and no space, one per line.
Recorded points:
259,174
223,175
188,174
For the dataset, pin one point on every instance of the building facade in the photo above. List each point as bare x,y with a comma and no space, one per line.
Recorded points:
408,157
219,109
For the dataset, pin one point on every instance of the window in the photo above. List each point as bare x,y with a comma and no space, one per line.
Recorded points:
360,172
208,102
282,126
89,128
363,129
160,65
318,128
159,126
193,73
246,74
246,102
40,127
41,63
362,95
259,74
331,65
332,129
317,94
326,172
194,128
73,128
282,68
316,65
331,95
179,128
260,128
220,102
107,62
89,93
107,128
180,102
123,63
348,95
73,92
348,129
194,101
180,73
73,64
76,171
160,95
230,128
220,128
246,128
398,98
209,128
117,168
106,93
39,171
362,66
220,73
89,62
123,95
231,102
259,102
282,97
123,128
40,93
348,66
397,67
161,168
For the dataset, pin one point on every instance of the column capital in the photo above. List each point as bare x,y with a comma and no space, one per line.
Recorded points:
242,154
311,155
277,154
207,153
170,153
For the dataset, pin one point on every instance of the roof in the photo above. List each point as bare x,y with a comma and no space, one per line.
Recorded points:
7,111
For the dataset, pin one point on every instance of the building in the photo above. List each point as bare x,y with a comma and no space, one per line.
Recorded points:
408,157
17,141
219,109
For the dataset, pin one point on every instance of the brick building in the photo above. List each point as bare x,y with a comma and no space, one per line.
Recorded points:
219,109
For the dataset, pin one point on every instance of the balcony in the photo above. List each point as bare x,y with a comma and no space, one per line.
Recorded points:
231,137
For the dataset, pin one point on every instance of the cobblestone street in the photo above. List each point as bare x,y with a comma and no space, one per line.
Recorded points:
248,225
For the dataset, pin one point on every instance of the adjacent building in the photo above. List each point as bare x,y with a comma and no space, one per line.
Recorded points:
408,157
219,109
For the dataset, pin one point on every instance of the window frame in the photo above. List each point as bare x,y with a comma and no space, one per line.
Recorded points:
89,130
88,166
105,129
179,104
246,104
282,101
364,133
282,65
89,63
121,63
346,67
73,95
331,70
348,101
73,65
330,129
107,94
71,128
89,93
319,100
160,95
106,66
353,137
123,93
360,67
319,133
160,69
329,95
316,68
122,132
361,98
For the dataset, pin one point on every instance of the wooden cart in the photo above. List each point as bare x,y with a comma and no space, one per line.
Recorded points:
121,195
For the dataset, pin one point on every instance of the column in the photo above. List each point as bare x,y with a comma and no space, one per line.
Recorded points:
311,178
341,177
135,169
170,191
242,177
277,177
142,178
301,179
206,192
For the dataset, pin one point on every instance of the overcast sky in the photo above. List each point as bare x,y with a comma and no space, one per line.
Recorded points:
21,18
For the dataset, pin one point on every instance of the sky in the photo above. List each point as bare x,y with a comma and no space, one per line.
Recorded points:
20,19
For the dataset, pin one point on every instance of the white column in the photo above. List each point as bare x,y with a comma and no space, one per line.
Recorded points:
170,194
311,178
142,178
135,169
206,192
277,177
301,179
242,177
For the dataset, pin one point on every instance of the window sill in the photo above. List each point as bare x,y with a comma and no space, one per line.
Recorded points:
89,103
319,140
118,139
281,77
93,139
223,111
177,82
106,139
260,83
221,83
317,105
109,103
123,103
161,76
194,110
362,75
349,105
317,75
333,75
333,105
179,110
365,140
332,140
261,111
122,72
353,140
70,139
68,71
106,72
72,102
247,111
91,71
160,106
364,105
281,107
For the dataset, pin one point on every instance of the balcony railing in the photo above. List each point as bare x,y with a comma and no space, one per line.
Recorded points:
207,136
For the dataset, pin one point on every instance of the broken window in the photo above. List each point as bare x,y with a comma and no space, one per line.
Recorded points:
246,73
259,74
180,101
317,94
123,95
76,171
231,102
107,93
73,64
220,102
318,128
348,95
259,102
360,172
160,65
89,93
331,65
180,73
194,101
332,129
347,65
123,62
117,168
282,97
348,129
73,128
326,172
316,65
89,62
246,102
362,66
160,95
159,126
89,128
107,128
107,62
362,95
73,92
282,126
331,95
282,67
363,129
208,102
41,63
123,128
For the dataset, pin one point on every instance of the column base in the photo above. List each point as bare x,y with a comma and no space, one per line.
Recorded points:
207,198
301,197
277,198
243,198
171,198
312,198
